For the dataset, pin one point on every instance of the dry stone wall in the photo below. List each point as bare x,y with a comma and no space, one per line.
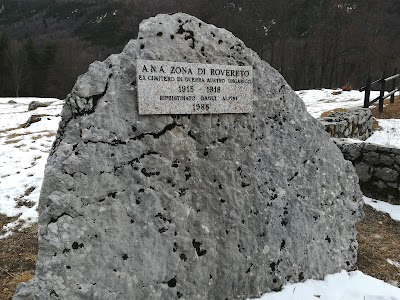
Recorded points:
223,206
377,166
354,123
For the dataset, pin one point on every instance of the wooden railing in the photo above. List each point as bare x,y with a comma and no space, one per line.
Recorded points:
383,82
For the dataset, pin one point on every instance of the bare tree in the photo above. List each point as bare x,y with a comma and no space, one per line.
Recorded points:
17,65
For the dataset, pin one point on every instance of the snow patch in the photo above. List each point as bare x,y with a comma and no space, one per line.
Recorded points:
392,210
319,101
389,135
23,156
341,286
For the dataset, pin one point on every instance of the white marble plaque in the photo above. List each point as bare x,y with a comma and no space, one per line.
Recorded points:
185,88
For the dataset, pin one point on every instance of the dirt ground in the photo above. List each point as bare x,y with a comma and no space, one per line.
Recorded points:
17,258
390,110
379,240
378,237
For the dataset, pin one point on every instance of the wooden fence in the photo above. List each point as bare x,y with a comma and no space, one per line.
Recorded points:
383,86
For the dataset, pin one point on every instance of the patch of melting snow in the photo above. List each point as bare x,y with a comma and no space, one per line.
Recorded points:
392,210
389,135
319,101
394,263
340,286
23,155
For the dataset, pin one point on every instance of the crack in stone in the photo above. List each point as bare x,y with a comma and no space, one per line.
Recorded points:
55,219
139,137
136,159
167,128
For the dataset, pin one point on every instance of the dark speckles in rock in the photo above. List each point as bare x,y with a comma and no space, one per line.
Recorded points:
202,51
183,257
171,283
223,140
197,246
159,33
149,174
136,223
301,276
272,266
188,35
249,269
76,245
282,245
162,230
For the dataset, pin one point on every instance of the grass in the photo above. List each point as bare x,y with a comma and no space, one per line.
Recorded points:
46,134
12,141
379,239
390,110
375,125
17,258
326,114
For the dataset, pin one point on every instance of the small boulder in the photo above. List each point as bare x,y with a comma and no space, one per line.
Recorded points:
33,119
35,105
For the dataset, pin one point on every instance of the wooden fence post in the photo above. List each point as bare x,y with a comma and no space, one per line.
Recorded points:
382,93
367,92
393,86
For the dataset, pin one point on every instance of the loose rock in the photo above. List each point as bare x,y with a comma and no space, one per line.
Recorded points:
35,105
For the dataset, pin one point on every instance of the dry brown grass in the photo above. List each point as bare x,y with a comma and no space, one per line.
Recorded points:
390,111
375,125
8,289
14,135
12,141
46,133
378,239
329,112
17,258
347,87
13,128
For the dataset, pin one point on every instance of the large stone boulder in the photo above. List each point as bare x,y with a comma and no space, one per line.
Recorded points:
189,207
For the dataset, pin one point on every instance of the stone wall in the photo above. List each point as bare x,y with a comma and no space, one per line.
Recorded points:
377,166
353,123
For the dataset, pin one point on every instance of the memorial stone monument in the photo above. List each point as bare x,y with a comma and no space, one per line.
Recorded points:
186,168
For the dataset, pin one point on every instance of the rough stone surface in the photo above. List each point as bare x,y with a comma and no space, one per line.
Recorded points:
353,123
377,166
387,174
192,206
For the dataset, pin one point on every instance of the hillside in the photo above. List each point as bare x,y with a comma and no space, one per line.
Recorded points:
96,21
313,43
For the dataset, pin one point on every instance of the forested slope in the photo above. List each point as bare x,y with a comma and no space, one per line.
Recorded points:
46,44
